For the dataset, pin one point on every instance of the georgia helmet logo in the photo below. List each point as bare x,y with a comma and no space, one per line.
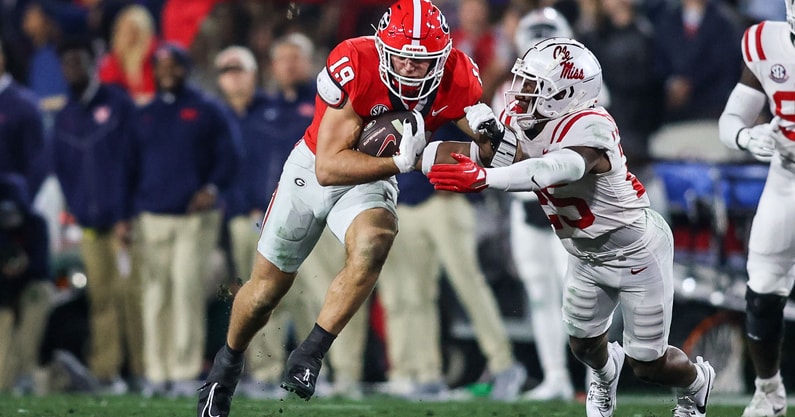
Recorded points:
384,22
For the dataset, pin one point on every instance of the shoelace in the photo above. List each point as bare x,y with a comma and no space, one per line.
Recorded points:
685,407
599,394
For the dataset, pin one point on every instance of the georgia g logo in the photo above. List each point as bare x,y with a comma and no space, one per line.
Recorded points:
443,24
384,22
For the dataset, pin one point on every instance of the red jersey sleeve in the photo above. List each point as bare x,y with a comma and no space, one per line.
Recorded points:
350,70
462,87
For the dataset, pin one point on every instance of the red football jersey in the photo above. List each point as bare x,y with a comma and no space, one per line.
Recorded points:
351,73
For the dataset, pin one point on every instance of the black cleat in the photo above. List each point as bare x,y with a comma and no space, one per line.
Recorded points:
215,396
300,374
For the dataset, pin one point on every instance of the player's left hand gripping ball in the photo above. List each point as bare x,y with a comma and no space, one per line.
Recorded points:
465,176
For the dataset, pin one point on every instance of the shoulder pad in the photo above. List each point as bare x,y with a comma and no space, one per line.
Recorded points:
329,91
592,127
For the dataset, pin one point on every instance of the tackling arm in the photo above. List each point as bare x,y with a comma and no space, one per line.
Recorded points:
565,165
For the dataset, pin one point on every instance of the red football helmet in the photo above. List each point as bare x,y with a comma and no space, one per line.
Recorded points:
414,29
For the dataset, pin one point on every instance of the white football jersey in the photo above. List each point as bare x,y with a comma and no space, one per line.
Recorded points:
597,203
769,54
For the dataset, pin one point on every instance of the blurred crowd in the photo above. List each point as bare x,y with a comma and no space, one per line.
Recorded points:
162,126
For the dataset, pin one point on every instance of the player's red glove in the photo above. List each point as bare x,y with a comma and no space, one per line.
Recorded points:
464,177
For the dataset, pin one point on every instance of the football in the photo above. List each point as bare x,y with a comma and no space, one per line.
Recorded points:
381,134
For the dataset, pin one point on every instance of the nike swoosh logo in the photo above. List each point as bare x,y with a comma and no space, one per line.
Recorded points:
209,406
389,139
702,409
636,271
301,381
776,411
437,111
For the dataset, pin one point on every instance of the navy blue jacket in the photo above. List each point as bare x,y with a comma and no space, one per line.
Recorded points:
270,128
22,144
28,240
90,141
710,59
181,143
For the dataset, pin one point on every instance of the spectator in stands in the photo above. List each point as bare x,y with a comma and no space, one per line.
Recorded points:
696,46
623,42
247,198
437,230
25,291
44,75
22,145
91,139
476,37
129,62
185,153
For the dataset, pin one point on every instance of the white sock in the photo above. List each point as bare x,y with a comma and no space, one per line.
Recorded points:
695,387
769,384
608,372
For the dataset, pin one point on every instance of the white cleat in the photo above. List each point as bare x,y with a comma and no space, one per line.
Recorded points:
695,405
601,399
769,400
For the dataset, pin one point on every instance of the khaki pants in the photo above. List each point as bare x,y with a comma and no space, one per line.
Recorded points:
21,332
266,354
115,308
175,253
440,232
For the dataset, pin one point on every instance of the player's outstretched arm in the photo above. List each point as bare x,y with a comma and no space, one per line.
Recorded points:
736,124
492,143
565,165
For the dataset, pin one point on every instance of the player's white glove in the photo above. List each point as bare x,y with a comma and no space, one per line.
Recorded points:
759,140
411,144
480,118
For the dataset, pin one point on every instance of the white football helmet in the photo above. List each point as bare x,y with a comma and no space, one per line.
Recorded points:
414,29
791,14
555,77
538,25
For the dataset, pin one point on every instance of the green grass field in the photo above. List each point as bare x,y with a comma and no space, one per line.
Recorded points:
134,406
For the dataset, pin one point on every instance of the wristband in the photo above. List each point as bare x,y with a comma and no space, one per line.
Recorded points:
474,153
505,152
429,156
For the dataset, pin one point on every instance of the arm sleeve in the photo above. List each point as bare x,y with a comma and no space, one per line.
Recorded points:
535,174
742,109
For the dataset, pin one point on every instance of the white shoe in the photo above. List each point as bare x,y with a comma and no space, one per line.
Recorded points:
695,405
601,399
508,383
551,389
769,400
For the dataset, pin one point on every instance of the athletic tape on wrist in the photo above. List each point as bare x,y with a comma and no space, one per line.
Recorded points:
506,150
